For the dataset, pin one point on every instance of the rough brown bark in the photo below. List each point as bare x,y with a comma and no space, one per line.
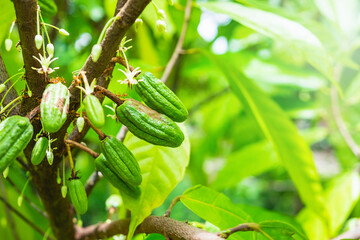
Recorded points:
168,227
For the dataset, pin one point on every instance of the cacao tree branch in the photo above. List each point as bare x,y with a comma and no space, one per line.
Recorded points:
43,176
171,228
109,94
82,147
179,44
25,219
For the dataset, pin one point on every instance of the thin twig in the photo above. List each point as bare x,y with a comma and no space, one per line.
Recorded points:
109,94
82,147
25,219
33,205
179,45
244,227
98,131
337,115
122,133
8,214
91,182
172,204
33,113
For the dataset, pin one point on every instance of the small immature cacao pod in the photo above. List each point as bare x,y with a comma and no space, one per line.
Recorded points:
78,196
148,124
15,134
54,107
94,111
95,52
80,123
108,172
39,150
121,160
160,98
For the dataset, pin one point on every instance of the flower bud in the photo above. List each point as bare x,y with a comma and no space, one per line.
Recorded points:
2,87
161,14
64,191
38,41
6,172
95,52
50,48
63,32
160,26
8,44
80,124
50,157
138,23
20,200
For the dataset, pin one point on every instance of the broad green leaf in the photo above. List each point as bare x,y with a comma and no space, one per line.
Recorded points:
279,28
6,18
341,196
162,168
214,207
249,161
279,230
290,147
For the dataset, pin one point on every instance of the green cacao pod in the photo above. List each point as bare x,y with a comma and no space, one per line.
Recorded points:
39,150
108,172
94,111
54,106
148,124
78,196
160,98
121,160
15,133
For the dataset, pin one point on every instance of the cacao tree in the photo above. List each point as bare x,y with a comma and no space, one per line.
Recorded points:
100,102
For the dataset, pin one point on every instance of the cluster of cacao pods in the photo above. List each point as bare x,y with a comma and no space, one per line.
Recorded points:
153,122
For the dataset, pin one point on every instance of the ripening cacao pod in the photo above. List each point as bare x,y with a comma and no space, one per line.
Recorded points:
121,160
15,134
78,196
54,107
110,174
94,111
149,125
160,98
39,150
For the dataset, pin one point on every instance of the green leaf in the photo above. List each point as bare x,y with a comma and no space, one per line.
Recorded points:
214,207
162,168
290,147
278,28
249,161
280,230
6,18
341,196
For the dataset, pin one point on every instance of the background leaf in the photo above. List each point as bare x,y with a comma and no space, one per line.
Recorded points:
291,148
341,196
162,168
279,28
